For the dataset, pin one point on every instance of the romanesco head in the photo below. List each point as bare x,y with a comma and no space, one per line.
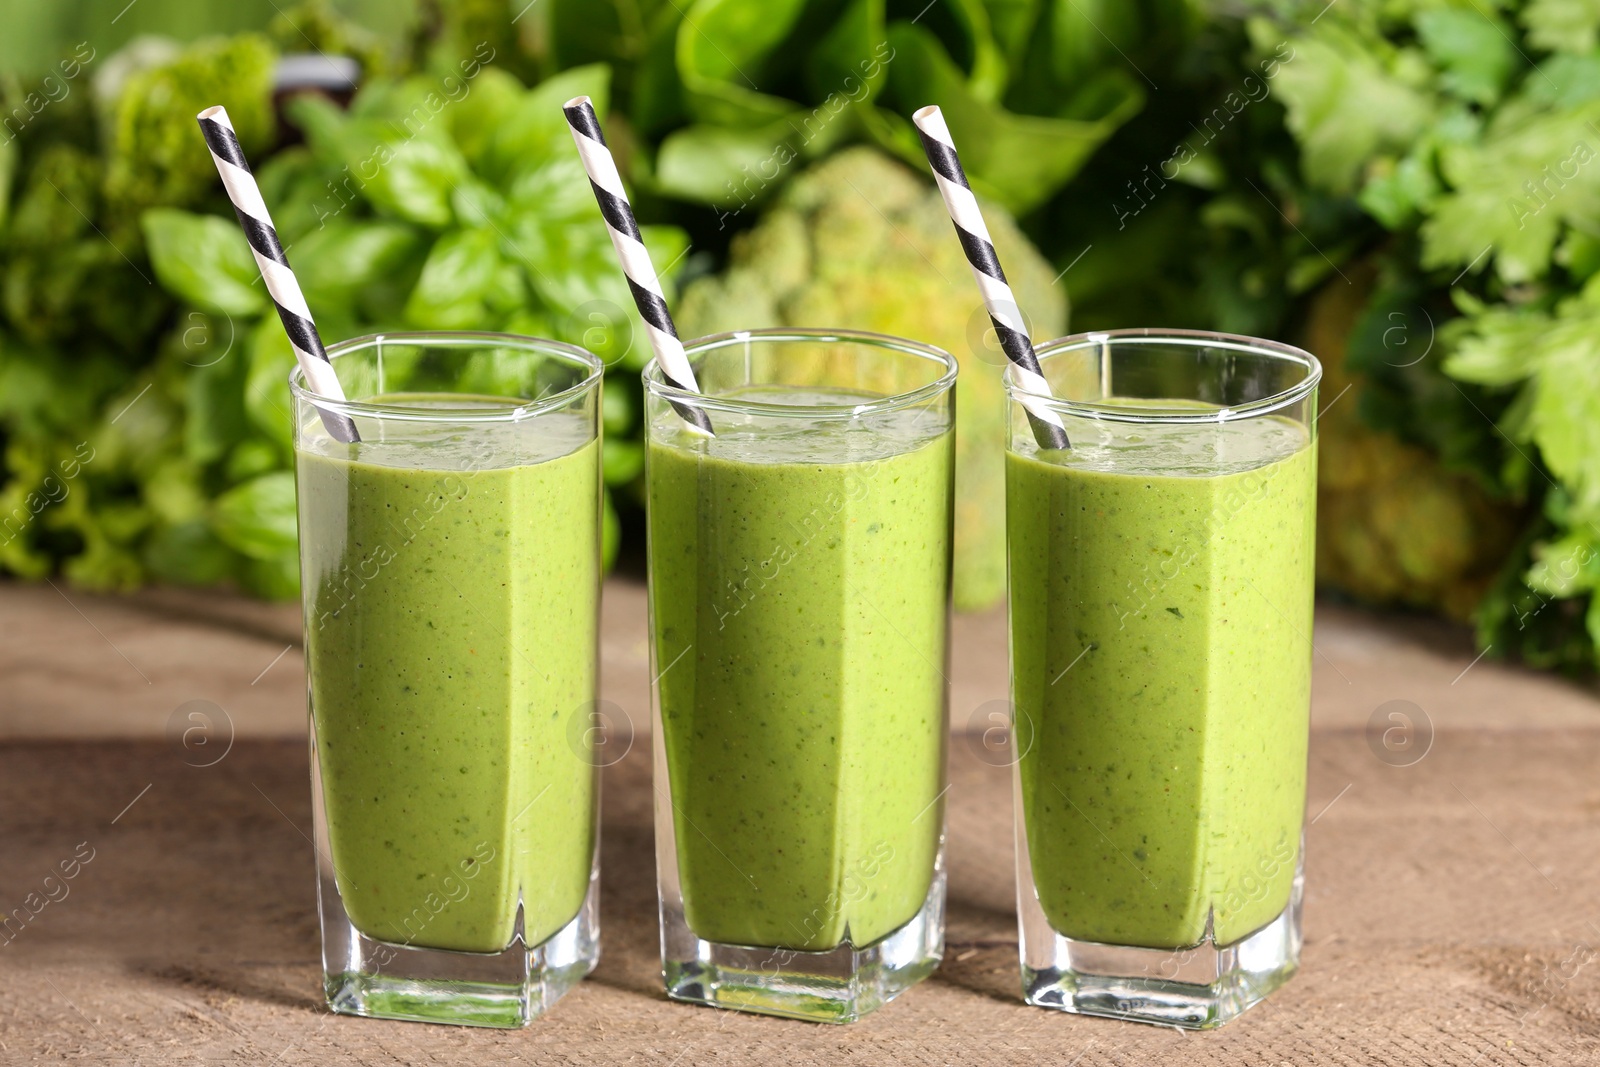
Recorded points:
862,242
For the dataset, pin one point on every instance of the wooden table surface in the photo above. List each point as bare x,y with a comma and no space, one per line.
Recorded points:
1452,909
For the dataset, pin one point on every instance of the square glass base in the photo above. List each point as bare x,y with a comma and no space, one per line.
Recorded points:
1196,988
838,986
380,980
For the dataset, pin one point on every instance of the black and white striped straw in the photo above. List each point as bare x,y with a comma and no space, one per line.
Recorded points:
636,265
1009,325
282,287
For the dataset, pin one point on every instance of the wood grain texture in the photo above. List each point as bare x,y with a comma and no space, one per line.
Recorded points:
1452,910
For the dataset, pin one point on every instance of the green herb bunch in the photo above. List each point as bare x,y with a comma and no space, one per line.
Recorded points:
1469,137
143,389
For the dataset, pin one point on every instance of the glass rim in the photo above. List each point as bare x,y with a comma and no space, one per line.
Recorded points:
657,385
1088,409
523,408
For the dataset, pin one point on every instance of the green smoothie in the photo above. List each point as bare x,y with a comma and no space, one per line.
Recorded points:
451,589
1160,638
799,591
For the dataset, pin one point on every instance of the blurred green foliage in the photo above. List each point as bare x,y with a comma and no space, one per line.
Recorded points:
145,409
151,159
1431,160
730,93
1468,136
439,202
37,34
137,343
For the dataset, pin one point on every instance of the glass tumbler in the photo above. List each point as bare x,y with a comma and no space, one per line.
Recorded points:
799,566
450,567
1160,579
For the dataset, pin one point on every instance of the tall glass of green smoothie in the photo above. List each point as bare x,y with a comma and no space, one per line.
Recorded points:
799,564
450,568
1160,623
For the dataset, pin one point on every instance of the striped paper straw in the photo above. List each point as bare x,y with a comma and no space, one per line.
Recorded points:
274,265
1003,311
636,265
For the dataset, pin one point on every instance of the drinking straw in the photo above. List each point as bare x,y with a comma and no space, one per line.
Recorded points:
636,265
1003,311
282,287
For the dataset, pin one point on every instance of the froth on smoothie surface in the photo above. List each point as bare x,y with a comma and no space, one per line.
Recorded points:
1182,449
394,442
769,438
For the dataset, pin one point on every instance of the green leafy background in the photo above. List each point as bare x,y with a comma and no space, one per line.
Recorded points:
1410,187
